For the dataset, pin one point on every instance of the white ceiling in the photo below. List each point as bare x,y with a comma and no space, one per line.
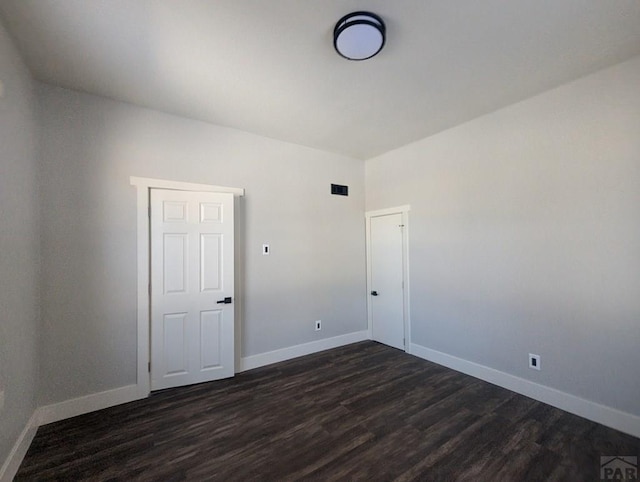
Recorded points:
268,66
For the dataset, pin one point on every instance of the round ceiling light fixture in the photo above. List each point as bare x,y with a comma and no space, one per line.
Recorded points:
359,35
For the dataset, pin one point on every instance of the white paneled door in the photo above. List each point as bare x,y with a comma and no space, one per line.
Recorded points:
386,278
192,314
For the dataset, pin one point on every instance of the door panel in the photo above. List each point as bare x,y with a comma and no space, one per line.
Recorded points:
210,262
210,328
386,258
175,255
192,260
210,212
174,343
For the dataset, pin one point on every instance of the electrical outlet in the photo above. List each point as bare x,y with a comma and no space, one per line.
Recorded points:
318,325
534,361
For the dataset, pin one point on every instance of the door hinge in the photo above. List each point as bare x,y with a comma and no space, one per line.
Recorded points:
149,212
149,366
149,288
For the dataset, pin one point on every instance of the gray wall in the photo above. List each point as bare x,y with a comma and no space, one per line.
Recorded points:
19,250
525,236
91,146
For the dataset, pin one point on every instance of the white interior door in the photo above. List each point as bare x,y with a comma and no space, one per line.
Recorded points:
386,277
192,260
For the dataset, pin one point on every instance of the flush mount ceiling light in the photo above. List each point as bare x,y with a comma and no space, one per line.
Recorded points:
359,35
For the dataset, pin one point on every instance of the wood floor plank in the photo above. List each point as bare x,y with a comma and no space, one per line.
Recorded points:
360,412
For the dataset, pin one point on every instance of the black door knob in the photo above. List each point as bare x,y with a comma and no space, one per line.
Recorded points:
374,293
226,301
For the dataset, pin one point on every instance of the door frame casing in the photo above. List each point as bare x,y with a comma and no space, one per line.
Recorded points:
143,204
404,211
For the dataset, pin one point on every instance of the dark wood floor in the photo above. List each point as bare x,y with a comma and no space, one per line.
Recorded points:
360,412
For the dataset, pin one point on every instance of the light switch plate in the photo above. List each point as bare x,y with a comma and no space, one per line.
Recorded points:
266,250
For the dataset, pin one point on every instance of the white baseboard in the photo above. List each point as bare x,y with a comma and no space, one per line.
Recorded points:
89,403
262,359
611,417
12,464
